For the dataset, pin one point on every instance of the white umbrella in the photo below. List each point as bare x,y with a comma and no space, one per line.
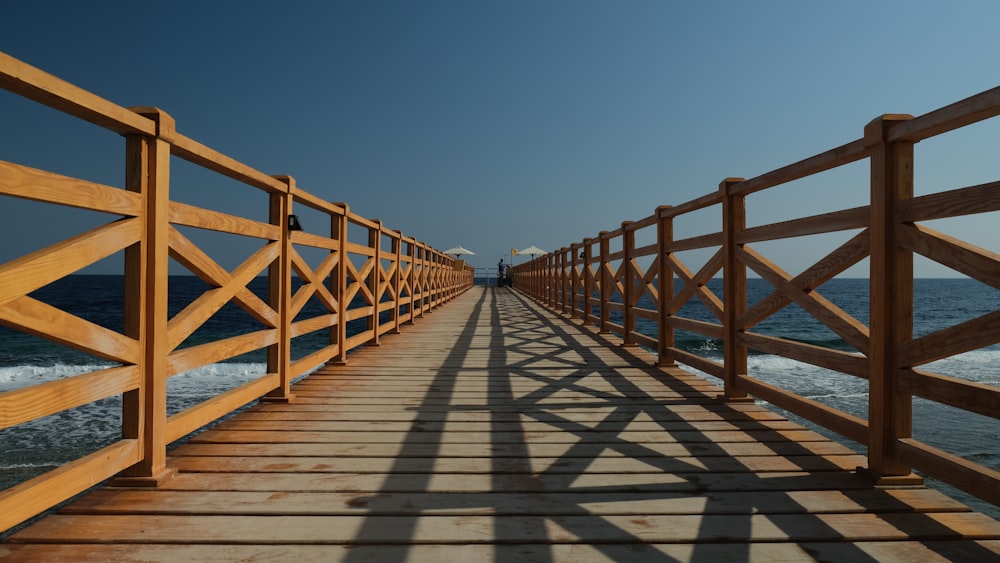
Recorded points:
458,251
532,251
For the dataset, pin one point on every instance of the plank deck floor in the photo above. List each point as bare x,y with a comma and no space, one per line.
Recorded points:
493,430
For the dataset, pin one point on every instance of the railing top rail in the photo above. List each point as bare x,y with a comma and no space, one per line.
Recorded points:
200,154
702,202
309,200
953,116
35,84
839,156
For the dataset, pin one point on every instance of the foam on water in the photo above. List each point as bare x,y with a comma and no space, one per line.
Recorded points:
37,446
16,377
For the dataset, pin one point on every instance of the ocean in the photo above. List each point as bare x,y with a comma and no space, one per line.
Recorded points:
33,448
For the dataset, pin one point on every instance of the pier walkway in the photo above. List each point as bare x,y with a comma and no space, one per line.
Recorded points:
494,430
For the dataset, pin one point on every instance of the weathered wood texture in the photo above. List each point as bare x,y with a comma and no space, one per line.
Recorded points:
495,431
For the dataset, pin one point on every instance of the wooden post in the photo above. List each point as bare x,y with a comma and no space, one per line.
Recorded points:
574,279
397,279
588,280
567,281
432,274
604,283
375,281
533,279
411,255
144,410
279,289
540,277
339,282
563,280
891,302
422,277
665,287
546,279
734,290
552,260
628,284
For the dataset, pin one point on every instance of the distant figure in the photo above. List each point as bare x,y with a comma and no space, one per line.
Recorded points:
500,277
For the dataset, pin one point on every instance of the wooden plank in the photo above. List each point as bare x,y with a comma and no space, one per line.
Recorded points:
184,323
185,359
197,153
31,403
694,285
315,202
711,240
306,326
27,273
974,478
500,451
316,241
588,416
849,426
836,360
513,552
313,282
38,185
555,442
697,362
968,259
967,336
193,418
208,219
820,308
480,529
609,465
983,198
839,156
845,256
527,423
132,501
34,84
45,321
202,265
702,482
27,499
856,218
513,437
967,395
959,114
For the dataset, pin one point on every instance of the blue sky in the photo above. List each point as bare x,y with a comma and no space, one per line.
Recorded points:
504,124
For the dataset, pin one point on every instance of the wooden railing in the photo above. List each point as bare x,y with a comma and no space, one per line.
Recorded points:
380,281
591,279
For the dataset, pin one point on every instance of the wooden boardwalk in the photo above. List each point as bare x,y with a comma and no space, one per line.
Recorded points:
494,431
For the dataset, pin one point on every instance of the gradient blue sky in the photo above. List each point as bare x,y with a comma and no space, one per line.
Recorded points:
504,124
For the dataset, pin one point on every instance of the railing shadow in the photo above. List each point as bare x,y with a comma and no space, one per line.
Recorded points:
572,377
713,456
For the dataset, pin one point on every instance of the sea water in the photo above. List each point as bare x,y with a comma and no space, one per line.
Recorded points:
30,449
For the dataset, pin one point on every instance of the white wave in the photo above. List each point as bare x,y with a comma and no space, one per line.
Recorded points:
215,373
980,366
16,377
27,465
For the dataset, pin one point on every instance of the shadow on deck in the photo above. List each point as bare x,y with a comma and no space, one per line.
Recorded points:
494,431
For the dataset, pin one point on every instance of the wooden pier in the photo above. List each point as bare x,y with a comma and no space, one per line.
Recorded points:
495,430
477,424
